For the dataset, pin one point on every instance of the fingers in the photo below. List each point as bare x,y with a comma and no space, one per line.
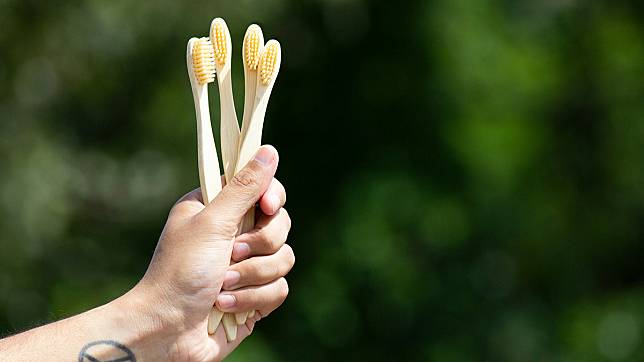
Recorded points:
265,298
268,237
273,199
260,269
244,189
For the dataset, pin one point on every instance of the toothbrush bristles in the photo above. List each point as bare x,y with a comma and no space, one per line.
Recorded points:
203,61
252,49
267,62
220,46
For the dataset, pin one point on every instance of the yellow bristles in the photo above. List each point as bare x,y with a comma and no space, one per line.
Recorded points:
251,47
219,42
203,61
267,62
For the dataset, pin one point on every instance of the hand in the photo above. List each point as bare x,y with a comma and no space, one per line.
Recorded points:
263,259
192,263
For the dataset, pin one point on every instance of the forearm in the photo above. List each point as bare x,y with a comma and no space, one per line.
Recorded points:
116,330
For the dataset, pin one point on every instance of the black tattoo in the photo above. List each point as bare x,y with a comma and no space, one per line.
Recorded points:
105,351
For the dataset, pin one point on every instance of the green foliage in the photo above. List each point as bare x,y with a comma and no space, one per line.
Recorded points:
465,177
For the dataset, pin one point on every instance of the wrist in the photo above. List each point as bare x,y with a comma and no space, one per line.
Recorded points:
149,326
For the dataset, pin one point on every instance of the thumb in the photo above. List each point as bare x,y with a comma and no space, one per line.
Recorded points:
245,188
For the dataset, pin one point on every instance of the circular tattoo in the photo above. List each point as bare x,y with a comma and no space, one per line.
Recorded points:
106,351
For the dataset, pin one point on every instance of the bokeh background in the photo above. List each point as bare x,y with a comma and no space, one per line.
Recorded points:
466,177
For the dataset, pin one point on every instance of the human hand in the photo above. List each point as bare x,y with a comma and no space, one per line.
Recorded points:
192,263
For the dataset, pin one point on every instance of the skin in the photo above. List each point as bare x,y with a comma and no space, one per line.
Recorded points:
164,317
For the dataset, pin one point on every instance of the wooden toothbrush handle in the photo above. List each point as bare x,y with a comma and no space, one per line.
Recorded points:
248,222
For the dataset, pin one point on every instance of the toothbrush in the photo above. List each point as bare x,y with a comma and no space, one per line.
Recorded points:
251,134
201,71
222,45
229,127
251,51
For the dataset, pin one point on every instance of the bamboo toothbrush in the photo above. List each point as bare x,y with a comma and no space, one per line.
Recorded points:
222,45
201,70
229,126
251,51
251,135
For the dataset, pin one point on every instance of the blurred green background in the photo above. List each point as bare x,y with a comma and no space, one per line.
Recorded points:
465,177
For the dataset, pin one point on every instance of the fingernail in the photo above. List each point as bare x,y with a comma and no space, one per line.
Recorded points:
264,155
241,250
226,300
231,278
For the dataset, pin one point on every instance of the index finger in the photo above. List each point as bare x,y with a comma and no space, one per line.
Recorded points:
274,198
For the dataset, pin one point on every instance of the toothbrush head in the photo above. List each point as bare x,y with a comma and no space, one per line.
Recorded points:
253,44
203,61
269,62
220,37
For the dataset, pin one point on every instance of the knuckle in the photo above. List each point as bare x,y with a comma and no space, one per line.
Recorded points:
222,228
283,268
245,178
246,298
182,210
289,260
283,288
253,271
266,240
281,189
287,218
269,271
